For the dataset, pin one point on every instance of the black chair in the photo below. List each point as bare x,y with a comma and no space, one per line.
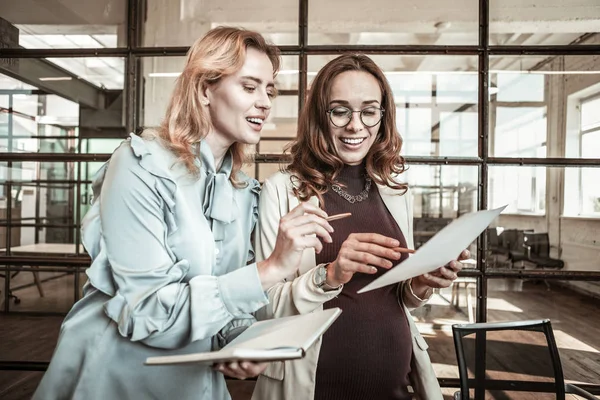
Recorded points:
518,356
538,251
498,253
510,246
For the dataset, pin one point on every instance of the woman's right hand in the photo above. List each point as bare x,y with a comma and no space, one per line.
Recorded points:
299,229
362,252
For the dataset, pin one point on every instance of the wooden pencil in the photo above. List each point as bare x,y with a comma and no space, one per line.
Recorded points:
338,216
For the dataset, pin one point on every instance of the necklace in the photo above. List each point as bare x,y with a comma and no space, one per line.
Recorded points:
350,198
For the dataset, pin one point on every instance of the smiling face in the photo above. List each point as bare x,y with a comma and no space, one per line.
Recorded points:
240,103
356,90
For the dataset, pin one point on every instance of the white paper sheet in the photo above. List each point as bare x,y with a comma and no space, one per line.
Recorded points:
442,248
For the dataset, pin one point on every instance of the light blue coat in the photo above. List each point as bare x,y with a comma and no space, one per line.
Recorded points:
168,276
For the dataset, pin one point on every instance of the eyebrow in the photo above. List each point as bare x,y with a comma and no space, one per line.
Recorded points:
344,102
258,81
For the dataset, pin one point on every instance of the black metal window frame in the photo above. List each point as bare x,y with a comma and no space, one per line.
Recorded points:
134,52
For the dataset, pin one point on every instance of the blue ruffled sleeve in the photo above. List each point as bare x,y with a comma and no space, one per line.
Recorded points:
126,231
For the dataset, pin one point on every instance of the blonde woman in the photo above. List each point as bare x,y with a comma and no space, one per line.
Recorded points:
169,235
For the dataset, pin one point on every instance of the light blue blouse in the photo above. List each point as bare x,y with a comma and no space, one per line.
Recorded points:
168,276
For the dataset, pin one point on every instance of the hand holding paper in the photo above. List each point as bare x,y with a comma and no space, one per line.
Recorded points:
444,247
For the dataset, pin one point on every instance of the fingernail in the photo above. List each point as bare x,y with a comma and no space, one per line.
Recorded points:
373,269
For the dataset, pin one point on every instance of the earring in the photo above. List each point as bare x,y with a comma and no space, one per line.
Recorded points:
205,102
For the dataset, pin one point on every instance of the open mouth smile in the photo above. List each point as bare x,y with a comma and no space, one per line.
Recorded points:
352,141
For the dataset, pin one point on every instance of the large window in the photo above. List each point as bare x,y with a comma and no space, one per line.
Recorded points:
582,196
590,148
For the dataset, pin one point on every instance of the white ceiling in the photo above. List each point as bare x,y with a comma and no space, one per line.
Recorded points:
342,19
101,23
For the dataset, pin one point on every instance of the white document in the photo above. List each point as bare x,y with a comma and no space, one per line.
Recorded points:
285,338
444,247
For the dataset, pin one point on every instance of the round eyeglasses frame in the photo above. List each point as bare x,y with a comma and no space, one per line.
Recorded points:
352,112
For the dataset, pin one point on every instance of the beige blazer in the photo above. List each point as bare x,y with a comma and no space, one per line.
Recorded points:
298,295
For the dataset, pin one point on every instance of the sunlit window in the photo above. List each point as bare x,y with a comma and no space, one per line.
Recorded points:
520,131
590,148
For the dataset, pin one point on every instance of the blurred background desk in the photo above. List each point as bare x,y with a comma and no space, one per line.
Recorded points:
40,249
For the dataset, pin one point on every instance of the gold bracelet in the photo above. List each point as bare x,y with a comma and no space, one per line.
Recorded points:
427,293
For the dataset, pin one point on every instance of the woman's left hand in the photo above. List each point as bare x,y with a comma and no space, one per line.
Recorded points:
441,277
241,370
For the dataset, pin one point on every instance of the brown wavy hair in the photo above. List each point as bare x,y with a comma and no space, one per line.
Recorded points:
219,53
315,163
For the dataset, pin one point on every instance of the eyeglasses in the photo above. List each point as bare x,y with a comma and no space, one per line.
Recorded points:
341,116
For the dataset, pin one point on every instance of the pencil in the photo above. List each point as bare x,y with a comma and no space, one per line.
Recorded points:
338,216
403,250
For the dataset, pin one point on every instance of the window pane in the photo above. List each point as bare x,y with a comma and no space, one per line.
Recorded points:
104,72
55,24
180,23
523,189
590,114
534,99
519,87
75,79
414,125
426,22
48,107
582,196
160,74
442,191
100,145
458,134
520,132
531,23
457,88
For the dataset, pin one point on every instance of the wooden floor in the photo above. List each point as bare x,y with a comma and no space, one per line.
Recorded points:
575,319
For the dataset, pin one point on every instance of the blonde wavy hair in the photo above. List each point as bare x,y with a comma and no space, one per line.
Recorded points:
219,53
315,163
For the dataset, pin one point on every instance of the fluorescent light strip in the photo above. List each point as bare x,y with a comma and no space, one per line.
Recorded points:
56,78
295,72
545,72
164,74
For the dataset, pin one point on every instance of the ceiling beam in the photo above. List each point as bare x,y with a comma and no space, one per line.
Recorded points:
30,70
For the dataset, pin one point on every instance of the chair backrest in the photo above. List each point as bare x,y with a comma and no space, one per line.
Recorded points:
509,238
492,237
539,243
518,356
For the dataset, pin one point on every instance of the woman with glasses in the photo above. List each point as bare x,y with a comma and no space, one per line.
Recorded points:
169,235
346,159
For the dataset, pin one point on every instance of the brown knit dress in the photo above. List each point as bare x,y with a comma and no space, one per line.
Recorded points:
366,353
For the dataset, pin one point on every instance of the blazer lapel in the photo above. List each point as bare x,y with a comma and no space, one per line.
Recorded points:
398,205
